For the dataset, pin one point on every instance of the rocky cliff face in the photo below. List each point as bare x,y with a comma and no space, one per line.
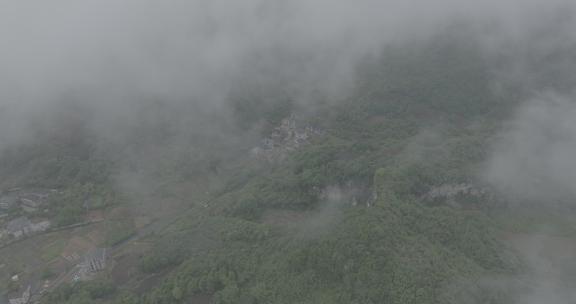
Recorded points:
457,194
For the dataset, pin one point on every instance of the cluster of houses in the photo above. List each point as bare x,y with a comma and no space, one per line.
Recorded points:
288,136
80,259
22,227
29,200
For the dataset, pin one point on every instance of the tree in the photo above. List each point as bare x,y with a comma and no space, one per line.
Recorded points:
177,293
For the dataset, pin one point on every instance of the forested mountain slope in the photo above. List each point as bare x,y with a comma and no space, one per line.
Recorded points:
369,208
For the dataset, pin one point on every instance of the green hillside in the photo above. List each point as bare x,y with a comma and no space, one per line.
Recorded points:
344,218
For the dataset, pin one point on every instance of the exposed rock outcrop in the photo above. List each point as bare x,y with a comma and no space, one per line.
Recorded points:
456,194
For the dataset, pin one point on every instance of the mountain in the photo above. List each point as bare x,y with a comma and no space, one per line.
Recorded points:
377,196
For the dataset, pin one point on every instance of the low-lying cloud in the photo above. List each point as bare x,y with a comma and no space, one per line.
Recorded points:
110,56
535,159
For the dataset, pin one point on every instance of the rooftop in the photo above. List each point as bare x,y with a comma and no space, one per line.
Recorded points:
95,254
18,224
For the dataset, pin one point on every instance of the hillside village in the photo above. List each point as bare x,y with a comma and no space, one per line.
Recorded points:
290,135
